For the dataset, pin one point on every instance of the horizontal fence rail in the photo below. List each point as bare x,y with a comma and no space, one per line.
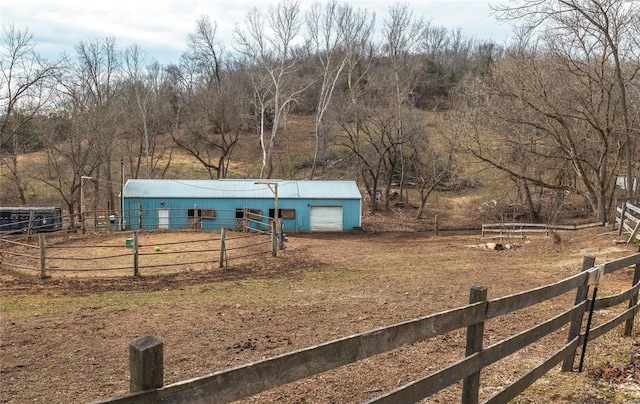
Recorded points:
255,377
520,385
243,381
628,220
220,247
521,230
511,303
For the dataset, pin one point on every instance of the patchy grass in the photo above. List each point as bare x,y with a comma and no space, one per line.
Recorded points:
322,287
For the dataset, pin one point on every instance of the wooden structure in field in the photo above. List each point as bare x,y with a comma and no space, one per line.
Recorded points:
628,220
523,230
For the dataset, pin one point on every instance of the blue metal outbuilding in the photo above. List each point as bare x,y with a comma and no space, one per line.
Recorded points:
213,204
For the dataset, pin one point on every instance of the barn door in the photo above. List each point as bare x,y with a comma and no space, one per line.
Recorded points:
326,218
163,219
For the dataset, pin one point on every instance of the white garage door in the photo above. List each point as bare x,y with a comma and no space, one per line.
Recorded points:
326,218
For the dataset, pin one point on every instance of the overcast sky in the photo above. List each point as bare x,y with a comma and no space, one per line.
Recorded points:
160,27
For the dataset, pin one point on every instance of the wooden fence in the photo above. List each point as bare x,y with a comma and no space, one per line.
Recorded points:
521,230
146,353
628,220
19,253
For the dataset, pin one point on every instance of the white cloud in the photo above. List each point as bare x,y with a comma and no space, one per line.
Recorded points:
161,27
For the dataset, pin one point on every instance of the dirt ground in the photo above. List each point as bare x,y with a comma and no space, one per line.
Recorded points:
65,339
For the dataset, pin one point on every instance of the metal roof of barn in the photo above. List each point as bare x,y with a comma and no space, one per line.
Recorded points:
294,189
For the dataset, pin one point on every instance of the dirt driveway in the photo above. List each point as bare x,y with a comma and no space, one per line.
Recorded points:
66,339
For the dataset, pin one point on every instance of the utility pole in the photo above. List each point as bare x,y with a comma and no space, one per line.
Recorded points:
122,195
273,186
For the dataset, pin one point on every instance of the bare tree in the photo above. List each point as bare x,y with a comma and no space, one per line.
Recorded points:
327,36
209,107
70,155
430,156
98,74
402,34
25,90
550,112
80,141
370,138
209,130
133,63
450,57
206,52
599,39
147,116
350,111
458,55
269,43
360,50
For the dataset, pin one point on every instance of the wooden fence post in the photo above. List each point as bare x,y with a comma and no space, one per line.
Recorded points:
43,272
30,225
139,216
628,327
145,364
223,248
136,267
279,235
615,215
576,319
475,335
436,225
274,236
622,215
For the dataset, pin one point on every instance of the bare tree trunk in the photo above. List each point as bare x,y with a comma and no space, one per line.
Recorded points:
524,186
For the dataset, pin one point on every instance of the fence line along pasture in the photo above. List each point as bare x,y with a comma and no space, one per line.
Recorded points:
20,259
220,248
251,225
522,230
146,367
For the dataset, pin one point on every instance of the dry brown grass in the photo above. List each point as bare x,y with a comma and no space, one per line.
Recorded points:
73,331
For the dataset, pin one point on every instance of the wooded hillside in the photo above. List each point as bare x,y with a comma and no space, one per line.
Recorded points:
404,110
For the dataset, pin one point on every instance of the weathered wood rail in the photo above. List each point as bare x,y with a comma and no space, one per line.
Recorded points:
48,264
522,230
629,220
234,384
